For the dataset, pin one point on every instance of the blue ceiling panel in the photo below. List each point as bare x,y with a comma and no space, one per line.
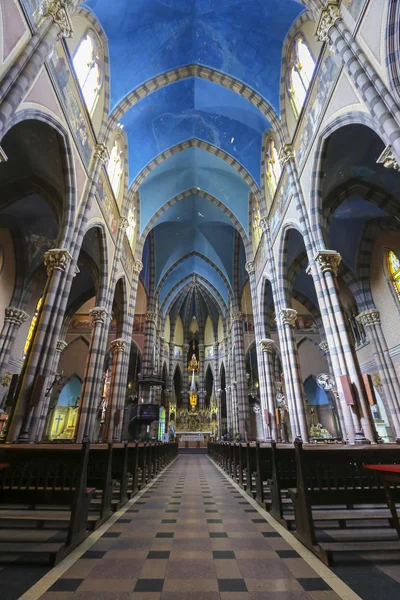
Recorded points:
242,38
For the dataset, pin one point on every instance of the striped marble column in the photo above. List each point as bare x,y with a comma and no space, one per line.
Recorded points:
13,319
380,102
114,412
240,385
171,347
268,366
371,320
185,384
91,393
201,375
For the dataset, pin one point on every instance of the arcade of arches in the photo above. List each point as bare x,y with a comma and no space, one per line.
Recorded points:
199,221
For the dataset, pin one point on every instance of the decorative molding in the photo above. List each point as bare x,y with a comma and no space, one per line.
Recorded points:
61,345
101,152
15,315
264,224
324,347
3,156
58,11
249,266
288,316
171,345
57,258
329,15
137,266
328,261
237,316
186,347
387,159
77,271
98,314
150,317
201,347
286,154
123,224
118,345
267,345
369,318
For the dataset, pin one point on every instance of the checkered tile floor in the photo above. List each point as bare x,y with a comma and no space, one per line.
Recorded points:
192,536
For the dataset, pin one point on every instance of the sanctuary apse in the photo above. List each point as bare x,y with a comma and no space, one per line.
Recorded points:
208,203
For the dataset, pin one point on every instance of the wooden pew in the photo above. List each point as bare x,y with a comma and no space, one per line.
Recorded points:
283,478
50,477
335,477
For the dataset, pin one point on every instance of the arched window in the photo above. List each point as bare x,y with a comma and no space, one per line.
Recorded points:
115,166
273,167
300,72
88,68
161,423
130,231
394,270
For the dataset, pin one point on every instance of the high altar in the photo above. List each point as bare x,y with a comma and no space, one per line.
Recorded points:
195,422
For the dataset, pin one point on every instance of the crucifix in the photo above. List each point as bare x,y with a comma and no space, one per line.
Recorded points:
58,419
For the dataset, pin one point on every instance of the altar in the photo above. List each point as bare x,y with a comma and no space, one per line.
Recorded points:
194,436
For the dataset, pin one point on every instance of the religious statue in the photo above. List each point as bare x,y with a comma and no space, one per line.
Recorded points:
194,366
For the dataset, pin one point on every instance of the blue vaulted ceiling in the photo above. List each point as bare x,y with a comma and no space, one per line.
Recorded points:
242,38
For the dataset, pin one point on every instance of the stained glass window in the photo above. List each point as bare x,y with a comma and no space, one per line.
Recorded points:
32,327
394,269
115,166
273,167
300,72
87,68
161,423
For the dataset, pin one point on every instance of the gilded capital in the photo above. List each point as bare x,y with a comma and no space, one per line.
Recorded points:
57,258
101,152
98,314
324,347
249,266
329,15
237,316
328,261
288,316
286,154
61,345
267,345
58,11
369,318
388,160
150,317
118,345
15,315
137,266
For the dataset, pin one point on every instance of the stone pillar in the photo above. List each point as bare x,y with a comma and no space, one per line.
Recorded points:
185,385
382,106
268,366
19,78
240,386
13,319
171,347
91,391
155,399
293,377
217,385
149,354
115,400
42,425
371,320
201,375
40,355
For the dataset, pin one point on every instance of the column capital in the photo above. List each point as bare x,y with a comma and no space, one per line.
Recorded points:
123,224
137,266
328,261
98,314
15,315
61,345
150,317
58,11
286,154
288,316
329,15
101,152
237,316
186,347
118,345
201,347
3,156
369,318
267,345
249,266
324,347
57,258
264,224
388,160
171,345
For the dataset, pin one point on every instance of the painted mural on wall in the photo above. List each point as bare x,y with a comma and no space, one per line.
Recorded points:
209,352
127,258
319,97
108,206
260,258
58,64
354,7
139,323
178,353
278,210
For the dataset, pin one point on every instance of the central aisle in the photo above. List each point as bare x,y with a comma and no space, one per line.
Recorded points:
192,536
